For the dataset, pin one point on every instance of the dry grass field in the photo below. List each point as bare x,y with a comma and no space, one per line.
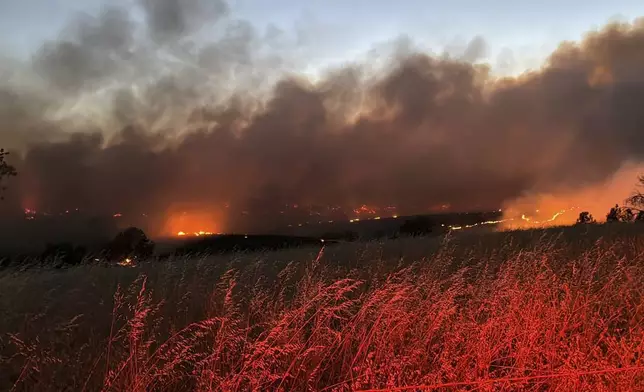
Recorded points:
541,310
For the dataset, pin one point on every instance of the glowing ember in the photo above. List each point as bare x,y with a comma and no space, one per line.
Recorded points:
126,263
30,214
364,209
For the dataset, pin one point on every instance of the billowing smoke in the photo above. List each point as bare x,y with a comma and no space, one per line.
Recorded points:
159,118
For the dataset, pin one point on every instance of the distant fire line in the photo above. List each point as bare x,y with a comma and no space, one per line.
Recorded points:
196,233
31,214
523,218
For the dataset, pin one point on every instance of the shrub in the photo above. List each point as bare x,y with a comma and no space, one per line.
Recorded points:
131,243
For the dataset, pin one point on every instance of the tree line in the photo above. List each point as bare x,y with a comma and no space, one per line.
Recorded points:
632,211
6,170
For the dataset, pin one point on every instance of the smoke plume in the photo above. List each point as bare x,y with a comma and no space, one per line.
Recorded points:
154,120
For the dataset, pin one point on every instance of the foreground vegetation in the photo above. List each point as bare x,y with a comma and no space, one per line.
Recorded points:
538,310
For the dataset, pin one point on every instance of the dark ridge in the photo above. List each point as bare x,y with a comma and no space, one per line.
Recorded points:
246,243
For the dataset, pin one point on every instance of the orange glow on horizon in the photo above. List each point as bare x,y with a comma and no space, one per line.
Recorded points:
191,223
196,233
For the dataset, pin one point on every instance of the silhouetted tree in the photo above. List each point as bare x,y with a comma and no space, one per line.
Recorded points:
6,170
613,214
620,214
637,199
420,225
585,217
131,243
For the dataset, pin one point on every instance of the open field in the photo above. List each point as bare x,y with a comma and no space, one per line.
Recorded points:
557,309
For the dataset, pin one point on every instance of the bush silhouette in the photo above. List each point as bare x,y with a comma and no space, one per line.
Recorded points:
620,214
130,243
585,217
613,214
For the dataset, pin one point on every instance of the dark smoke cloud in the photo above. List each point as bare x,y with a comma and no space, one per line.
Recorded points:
173,19
419,132
91,50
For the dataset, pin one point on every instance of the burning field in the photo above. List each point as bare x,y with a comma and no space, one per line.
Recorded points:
130,116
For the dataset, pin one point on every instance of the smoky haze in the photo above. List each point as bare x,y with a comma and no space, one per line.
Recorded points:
149,117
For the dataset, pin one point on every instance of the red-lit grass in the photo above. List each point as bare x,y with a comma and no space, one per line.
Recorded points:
519,311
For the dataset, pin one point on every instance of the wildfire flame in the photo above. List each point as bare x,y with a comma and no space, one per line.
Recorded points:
191,223
196,233
492,222
526,220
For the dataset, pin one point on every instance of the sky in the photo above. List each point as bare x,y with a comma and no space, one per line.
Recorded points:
518,34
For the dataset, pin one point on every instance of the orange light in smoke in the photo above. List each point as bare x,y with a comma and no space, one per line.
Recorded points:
364,209
191,223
